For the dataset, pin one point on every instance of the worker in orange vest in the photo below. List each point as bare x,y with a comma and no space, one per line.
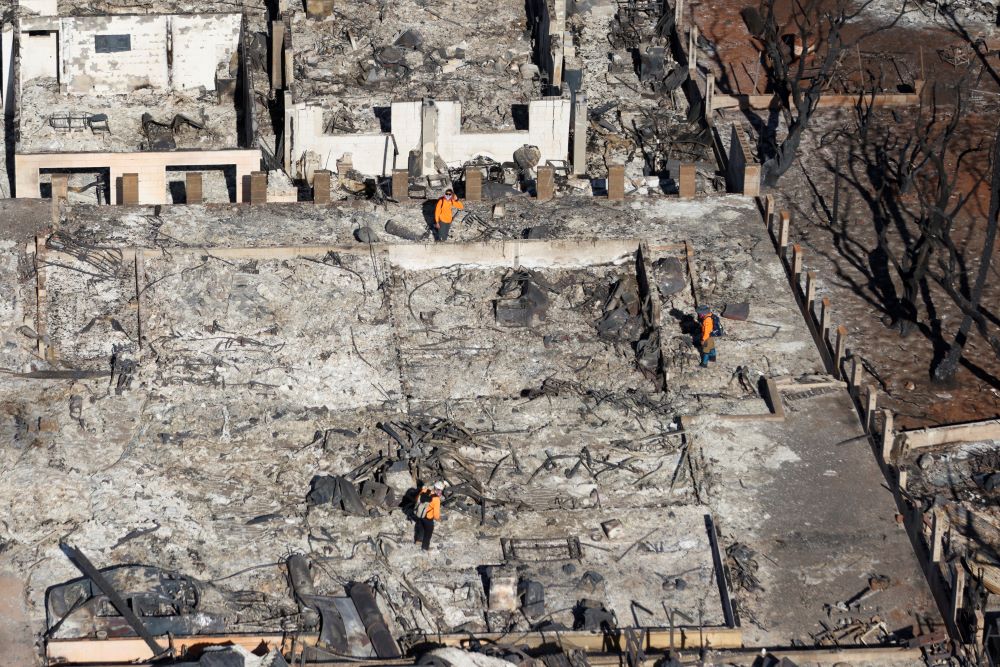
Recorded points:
444,213
426,512
708,329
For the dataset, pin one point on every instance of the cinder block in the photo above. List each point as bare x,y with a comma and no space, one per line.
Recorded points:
225,89
503,589
400,184
192,188
545,183
321,186
686,181
258,187
751,180
60,186
612,528
616,182
130,189
319,9
345,164
473,184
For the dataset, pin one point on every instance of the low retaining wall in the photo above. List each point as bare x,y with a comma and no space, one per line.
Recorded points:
527,253
825,102
907,441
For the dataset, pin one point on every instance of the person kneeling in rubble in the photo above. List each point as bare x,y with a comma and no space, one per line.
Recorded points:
444,213
426,512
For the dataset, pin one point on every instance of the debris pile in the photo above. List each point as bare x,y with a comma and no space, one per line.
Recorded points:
191,121
523,299
743,566
626,320
356,66
856,631
431,449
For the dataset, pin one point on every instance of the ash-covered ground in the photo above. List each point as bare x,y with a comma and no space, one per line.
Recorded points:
190,392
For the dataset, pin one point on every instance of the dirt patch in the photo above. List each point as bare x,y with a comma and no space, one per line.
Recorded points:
16,634
843,253
24,218
891,59
840,239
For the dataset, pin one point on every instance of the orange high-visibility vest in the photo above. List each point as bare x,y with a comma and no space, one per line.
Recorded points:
707,325
445,209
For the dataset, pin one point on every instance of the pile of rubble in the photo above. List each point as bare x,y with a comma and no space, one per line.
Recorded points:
366,59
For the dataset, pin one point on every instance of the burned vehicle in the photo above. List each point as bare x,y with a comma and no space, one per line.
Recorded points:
165,601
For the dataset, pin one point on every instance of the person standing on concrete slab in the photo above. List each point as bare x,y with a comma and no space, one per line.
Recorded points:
427,511
444,213
706,335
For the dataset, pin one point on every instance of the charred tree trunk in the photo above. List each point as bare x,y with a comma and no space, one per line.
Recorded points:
775,167
945,371
918,260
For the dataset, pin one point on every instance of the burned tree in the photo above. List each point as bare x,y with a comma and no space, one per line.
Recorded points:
913,176
970,303
801,63
913,188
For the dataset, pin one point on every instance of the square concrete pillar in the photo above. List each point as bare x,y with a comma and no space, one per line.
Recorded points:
130,189
840,348
473,184
400,184
616,182
686,182
60,186
428,138
321,186
580,125
545,183
938,530
871,403
193,193
796,265
277,55
769,211
888,436
824,316
784,228
855,378
319,9
258,187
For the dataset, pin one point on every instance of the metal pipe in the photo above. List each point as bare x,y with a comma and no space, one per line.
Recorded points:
363,598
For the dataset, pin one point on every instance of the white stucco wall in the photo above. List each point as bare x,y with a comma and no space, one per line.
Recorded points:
39,55
166,52
86,71
7,69
200,43
43,7
548,129
371,153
